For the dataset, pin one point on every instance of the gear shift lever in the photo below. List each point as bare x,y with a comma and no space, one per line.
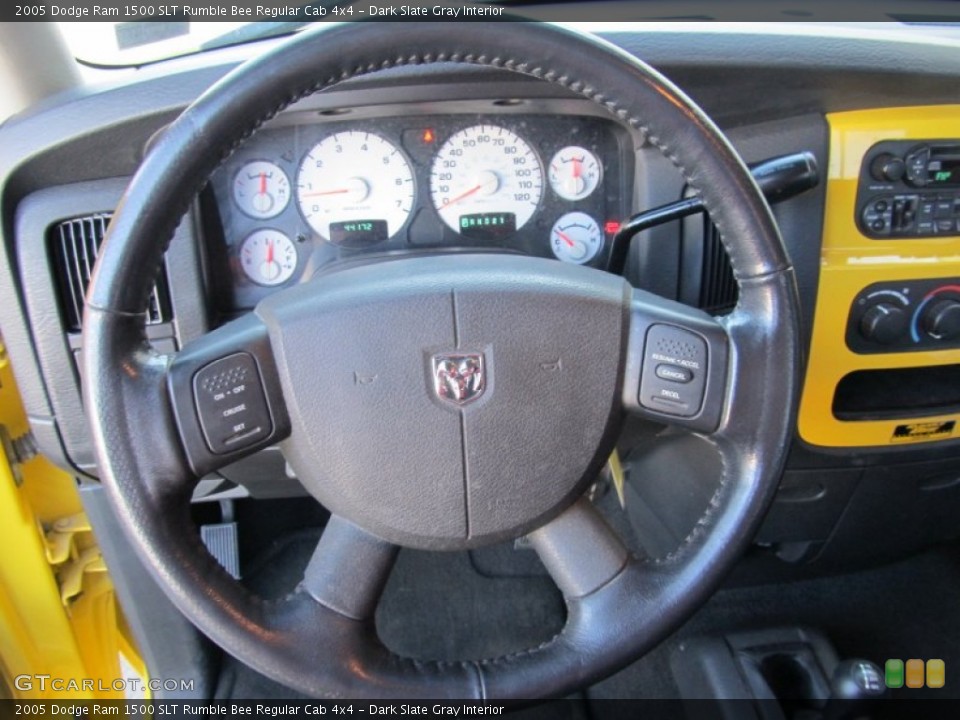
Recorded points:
855,687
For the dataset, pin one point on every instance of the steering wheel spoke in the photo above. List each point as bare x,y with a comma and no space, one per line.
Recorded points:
226,395
677,360
580,550
349,569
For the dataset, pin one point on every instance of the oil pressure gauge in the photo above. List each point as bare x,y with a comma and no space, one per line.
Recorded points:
261,189
268,257
576,238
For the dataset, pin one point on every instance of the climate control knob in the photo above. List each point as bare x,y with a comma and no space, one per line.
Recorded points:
941,320
884,323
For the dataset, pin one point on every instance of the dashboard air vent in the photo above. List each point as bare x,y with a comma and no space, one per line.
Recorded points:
75,244
718,288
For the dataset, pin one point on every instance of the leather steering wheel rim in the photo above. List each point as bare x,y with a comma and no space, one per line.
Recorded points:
327,646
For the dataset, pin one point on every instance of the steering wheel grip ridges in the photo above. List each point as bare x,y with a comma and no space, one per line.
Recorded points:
333,652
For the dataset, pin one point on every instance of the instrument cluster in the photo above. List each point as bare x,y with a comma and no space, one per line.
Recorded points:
299,198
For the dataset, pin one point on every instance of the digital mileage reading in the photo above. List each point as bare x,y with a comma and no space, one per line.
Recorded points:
358,233
488,226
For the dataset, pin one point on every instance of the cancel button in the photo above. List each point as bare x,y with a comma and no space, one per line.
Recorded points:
674,373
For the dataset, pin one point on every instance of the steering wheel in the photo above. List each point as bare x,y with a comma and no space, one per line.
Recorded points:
440,403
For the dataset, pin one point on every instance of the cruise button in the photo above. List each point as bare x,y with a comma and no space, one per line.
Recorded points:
674,373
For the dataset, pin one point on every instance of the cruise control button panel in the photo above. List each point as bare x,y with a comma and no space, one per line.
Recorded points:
674,374
231,404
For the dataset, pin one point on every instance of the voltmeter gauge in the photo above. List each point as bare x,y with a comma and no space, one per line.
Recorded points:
576,238
261,189
268,257
574,173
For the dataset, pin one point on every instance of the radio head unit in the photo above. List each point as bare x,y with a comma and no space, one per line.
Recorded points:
909,189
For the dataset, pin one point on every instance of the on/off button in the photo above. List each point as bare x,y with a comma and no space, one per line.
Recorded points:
674,373
230,404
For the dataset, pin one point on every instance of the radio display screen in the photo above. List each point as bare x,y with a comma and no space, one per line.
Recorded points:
944,172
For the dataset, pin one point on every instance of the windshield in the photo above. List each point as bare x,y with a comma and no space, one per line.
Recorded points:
136,43
124,44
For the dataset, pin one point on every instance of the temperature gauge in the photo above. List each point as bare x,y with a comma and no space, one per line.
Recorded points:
574,173
261,189
576,238
268,257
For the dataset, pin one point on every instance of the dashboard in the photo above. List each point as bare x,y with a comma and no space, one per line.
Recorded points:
310,193
455,160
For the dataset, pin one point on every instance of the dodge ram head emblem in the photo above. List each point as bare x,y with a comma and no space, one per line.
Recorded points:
458,378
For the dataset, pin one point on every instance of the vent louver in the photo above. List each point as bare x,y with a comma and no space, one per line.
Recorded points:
75,244
718,288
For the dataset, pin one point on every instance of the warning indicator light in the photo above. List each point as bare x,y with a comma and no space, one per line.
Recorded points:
611,227
428,136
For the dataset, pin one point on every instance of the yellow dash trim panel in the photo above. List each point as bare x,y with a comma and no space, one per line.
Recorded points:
850,261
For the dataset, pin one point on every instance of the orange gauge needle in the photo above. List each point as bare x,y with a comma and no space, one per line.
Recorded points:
576,168
263,183
340,191
566,238
270,252
460,197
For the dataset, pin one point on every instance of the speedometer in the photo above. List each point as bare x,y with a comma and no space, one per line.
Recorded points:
486,178
354,188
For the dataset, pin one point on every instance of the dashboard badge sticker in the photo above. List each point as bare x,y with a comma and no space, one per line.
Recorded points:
459,377
923,431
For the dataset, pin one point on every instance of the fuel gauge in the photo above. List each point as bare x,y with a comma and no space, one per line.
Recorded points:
268,257
261,189
576,238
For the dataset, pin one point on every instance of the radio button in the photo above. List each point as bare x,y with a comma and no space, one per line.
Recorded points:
887,167
944,209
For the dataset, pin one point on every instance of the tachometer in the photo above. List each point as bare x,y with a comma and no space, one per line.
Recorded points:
485,172
357,182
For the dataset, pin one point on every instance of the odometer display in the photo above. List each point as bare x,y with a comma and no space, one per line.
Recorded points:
485,170
358,233
488,226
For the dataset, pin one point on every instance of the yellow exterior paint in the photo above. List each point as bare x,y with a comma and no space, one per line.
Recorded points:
849,262
46,546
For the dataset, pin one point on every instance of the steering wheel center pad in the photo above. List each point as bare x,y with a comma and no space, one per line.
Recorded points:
447,402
